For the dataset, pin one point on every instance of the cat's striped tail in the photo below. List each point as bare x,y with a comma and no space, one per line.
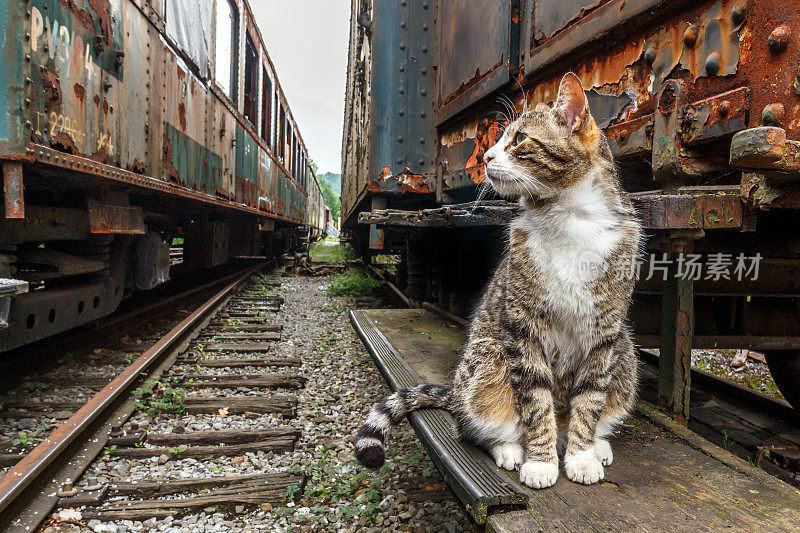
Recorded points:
389,412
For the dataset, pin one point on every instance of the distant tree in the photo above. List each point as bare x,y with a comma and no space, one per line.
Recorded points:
331,198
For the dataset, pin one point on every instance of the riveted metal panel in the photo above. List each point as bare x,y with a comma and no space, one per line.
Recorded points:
13,131
389,105
422,53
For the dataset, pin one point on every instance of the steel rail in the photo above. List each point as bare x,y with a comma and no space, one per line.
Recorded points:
24,473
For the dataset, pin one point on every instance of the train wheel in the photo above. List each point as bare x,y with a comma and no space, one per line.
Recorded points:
784,366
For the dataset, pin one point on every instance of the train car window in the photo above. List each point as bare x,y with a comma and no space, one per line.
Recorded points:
266,108
250,81
227,46
275,129
282,137
188,24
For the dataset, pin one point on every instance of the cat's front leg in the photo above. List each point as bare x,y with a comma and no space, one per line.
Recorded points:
532,381
582,463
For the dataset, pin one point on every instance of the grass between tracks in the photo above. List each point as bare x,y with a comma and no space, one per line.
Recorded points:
354,284
330,251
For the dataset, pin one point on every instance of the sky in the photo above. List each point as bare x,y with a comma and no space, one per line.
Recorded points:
307,41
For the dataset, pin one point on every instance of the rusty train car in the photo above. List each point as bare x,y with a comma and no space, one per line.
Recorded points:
700,102
125,124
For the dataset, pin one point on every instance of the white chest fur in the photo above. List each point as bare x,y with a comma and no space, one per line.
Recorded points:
562,237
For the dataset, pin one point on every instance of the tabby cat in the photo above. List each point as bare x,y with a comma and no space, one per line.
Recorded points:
549,364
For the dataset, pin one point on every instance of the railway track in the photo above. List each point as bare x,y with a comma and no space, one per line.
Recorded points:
222,351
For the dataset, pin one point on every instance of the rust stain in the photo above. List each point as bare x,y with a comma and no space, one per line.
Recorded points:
80,92
105,106
52,86
101,8
172,172
64,143
182,115
101,156
83,16
137,167
485,138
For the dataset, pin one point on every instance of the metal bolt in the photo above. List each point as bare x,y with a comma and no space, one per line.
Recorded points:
425,5
424,92
713,63
403,2
424,49
423,114
424,71
422,140
424,27
402,113
400,139
724,108
403,25
691,34
650,55
421,162
399,160
401,90
778,39
402,46
773,115
402,68
27,102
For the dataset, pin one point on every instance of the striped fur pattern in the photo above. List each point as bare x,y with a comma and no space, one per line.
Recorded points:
389,412
549,368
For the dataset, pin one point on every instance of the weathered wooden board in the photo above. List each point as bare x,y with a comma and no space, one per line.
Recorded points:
664,477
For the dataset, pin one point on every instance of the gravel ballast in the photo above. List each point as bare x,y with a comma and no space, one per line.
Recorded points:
406,494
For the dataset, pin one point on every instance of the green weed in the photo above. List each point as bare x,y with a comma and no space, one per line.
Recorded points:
353,284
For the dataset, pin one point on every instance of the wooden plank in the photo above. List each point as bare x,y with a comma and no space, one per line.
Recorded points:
224,327
243,348
150,489
277,445
515,522
224,497
276,403
216,437
243,336
241,363
664,477
263,381
10,459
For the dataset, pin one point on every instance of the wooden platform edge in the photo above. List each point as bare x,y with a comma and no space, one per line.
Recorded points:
657,417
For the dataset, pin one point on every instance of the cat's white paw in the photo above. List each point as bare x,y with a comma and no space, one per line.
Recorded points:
538,475
603,451
508,455
584,467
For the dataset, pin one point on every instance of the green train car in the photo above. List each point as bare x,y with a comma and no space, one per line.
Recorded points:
125,124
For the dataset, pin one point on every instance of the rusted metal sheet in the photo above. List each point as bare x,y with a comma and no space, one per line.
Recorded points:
475,51
695,211
551,16
13,116
115,219
13,190
108,81
716,117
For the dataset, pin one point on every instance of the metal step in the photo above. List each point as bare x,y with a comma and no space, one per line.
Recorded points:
468,470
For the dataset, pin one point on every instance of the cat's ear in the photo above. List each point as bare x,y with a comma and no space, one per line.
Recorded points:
572,102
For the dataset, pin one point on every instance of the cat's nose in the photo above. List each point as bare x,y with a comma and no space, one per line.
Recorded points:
488,157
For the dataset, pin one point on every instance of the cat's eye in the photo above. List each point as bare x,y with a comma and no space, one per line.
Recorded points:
519,138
